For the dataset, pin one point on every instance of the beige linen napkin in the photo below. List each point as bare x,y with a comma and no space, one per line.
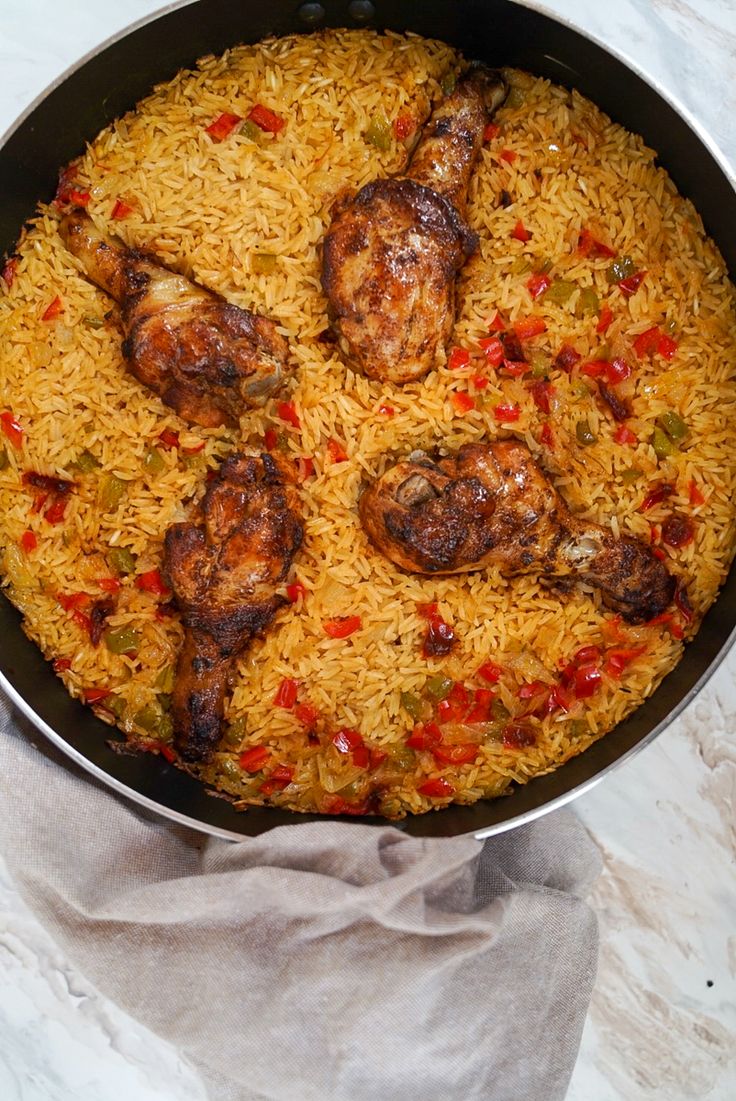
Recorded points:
328,961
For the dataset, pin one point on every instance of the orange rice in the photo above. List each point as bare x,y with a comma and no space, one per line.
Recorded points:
245,216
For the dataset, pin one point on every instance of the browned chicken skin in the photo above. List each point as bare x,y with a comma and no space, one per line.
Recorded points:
224,566
206,358
393,252
491,505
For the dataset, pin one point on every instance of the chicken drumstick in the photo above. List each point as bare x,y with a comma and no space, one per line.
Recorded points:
392,253
224,566
491,505
206,358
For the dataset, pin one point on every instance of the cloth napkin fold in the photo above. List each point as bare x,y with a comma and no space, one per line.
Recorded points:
329,961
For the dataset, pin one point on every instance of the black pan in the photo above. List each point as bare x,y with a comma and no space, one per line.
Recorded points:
107,84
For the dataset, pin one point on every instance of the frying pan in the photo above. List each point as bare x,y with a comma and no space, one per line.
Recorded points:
109,82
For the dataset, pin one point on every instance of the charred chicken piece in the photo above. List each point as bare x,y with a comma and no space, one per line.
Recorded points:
392,253
491,505
224,566
206,358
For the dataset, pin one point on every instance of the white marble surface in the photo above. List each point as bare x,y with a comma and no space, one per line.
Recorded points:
662,1023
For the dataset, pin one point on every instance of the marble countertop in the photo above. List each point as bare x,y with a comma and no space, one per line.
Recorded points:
662,1021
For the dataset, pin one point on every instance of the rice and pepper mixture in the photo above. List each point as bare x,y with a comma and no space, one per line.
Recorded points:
596,324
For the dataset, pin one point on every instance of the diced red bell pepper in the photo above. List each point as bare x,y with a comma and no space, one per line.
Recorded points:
460,753
445,712
12,429
94,695
295,591
336,451
67,176
594,368
490,672
497,324
109,584
515,368
424,736
378,756
491,131
342,626
666,346
223,126
519,232
529,327
404,125
542,392
28,541
266,119
666,619
518,736
70,601
121,210
546,436
605,317
9,270
591,652
507,412
83,620
508,155
462,402
557,701
566,358
169,437
306,713
586,680
617,371
287,413
270,439
305,467
480,712
54,309
279,779
531,689
346,740
427,610
538,283
493,349
696,497
152,582
361,756
624,435
168,753
618,658
286,693
458,358
631,285
78,198
60,665
386,410
54,514
480,382
254,759
438,788
646,343
588,245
